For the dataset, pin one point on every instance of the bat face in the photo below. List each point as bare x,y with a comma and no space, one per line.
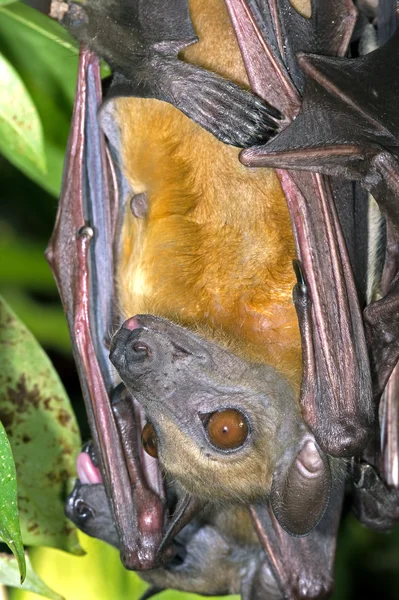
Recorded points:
216,417
182,382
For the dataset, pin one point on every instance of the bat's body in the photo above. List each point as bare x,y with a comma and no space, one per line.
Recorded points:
215,249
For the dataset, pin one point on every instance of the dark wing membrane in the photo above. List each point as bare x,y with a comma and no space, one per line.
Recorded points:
332,316
80,254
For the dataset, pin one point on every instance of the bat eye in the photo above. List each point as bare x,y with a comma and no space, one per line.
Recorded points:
227,429
149,440
83,510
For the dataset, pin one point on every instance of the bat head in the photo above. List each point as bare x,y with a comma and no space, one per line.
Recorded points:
226,429
88,507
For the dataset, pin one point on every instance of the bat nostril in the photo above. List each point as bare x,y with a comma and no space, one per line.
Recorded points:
140,351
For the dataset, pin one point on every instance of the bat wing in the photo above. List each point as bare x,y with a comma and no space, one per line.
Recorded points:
80,254
340,412
332,319
327,30
348,126
348,116
141,41
130,504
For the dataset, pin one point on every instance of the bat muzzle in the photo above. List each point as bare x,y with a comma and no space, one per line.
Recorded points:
128,347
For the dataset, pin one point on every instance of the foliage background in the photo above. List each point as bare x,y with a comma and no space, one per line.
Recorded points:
367,563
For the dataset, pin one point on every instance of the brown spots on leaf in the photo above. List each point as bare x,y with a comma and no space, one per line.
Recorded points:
26,439
63,417
58,477
46,404
21,397
6,322
33,528
67,450
24,398
68,529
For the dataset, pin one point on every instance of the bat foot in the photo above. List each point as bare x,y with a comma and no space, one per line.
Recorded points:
233,115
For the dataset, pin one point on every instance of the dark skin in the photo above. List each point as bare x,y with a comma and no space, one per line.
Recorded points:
286,473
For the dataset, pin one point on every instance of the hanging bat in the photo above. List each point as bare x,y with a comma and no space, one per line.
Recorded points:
202,256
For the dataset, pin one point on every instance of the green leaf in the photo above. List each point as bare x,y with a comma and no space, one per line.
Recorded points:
99,575
9,575
5,2
43,434
40,23
45,57
46,322
10,531
24,264
54,52
21,135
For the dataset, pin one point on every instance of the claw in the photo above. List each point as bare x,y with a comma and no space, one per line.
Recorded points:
300,276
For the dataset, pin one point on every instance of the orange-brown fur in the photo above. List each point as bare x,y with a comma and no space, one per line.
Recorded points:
216,249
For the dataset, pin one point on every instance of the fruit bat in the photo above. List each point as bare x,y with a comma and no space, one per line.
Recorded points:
246,467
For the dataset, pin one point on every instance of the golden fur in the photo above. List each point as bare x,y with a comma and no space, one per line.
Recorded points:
215,252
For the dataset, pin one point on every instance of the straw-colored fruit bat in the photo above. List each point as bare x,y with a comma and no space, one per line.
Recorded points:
250,401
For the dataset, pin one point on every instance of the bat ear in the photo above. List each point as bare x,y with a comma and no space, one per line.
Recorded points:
301,488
